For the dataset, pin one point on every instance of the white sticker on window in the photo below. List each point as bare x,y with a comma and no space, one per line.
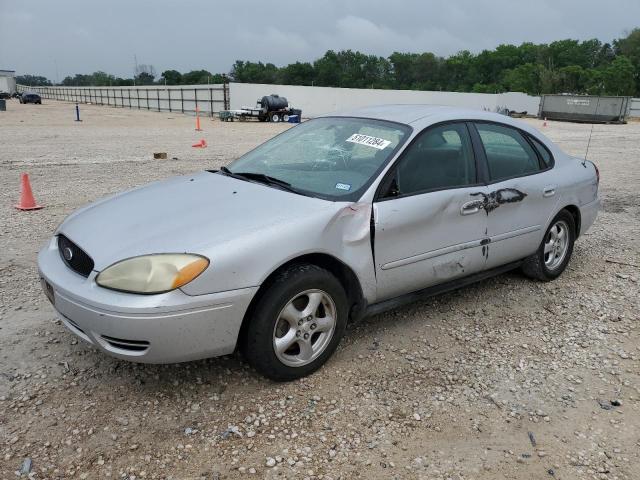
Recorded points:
343,186
369,141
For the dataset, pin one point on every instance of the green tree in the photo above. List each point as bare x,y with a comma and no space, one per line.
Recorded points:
196,77
523,78
171,77
297,74
33,80
144,78
571,79
618,78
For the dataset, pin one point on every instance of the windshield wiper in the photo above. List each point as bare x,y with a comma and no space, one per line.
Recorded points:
261,178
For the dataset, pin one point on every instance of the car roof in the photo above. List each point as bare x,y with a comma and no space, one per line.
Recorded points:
419,116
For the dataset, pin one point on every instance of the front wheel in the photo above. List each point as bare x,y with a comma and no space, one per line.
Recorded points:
297,323
555,251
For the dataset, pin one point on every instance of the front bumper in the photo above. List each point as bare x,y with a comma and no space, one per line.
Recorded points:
165,328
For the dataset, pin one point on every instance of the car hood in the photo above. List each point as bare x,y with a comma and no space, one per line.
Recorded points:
183,214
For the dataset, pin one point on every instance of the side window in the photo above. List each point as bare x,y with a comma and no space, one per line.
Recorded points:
441,157
508,152
544,153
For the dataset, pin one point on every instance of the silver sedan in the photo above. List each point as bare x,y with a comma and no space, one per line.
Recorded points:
337,218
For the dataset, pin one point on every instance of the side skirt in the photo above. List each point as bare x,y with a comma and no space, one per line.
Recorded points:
376,308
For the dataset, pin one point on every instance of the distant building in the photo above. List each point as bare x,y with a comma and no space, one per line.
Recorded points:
8,81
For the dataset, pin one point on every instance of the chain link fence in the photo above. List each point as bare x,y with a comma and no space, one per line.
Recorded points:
207,99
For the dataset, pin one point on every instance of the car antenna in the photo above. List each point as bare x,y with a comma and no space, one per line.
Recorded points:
584,162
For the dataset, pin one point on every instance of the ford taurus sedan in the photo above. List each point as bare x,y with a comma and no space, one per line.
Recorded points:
337,218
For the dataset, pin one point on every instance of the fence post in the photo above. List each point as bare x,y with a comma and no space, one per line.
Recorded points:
181,100
147,91
195,97
169,98
211,101
138,97
225,92
129,94
158,97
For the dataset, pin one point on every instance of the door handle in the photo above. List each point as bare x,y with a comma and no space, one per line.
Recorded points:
549,191
471,207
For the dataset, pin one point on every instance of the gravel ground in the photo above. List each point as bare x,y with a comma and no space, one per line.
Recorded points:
508,378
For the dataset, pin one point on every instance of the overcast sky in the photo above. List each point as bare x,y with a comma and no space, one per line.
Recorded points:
56,38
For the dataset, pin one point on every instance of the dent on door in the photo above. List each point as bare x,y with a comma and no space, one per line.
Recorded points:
494,199
426,239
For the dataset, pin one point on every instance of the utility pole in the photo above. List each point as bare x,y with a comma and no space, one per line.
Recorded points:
135,68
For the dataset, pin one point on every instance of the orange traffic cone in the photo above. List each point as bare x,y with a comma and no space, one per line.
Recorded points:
27,202
198,129
201,144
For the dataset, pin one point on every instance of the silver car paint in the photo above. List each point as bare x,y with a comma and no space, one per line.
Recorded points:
248,230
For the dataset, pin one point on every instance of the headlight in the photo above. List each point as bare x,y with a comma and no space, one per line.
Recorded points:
152,273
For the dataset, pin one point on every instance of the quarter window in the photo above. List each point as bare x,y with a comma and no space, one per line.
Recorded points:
508,152
542,150
441,157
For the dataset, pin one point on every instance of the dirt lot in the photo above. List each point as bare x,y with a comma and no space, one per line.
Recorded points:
505,379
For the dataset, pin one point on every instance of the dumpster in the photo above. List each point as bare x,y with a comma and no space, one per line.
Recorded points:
585,108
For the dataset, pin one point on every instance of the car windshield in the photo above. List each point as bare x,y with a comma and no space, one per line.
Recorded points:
335,158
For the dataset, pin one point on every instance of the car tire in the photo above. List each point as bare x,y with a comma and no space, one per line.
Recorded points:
555,250
279,316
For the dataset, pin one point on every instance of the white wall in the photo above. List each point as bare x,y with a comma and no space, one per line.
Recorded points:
315,101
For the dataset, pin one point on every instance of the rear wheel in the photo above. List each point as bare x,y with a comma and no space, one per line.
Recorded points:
297,324
555,251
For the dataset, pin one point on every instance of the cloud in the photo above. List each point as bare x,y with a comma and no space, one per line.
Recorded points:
191,34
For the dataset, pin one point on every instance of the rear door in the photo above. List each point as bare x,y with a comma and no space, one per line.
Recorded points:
429,227
521,191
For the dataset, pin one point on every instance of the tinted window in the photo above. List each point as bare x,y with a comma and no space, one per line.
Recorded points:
508,152
542,150
441,157
334,158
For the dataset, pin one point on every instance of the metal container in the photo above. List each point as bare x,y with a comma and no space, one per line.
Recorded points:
585,108
634,111
273,102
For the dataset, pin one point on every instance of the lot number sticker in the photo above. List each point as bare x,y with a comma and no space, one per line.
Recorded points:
369,141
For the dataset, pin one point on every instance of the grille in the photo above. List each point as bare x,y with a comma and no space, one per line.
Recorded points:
79,261
122,344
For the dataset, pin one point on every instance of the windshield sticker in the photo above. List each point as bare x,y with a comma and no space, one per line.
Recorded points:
369,141
343,186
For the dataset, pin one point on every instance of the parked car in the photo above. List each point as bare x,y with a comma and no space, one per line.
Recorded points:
30,98
334,219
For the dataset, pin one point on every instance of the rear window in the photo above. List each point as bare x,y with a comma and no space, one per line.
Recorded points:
509,154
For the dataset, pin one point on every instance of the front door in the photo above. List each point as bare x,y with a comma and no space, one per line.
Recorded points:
429,224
